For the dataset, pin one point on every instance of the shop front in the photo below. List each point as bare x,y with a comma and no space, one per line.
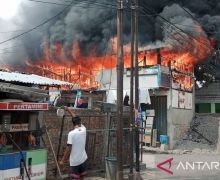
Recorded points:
22,151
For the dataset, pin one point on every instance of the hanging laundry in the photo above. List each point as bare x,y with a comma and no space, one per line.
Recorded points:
112,96
144,96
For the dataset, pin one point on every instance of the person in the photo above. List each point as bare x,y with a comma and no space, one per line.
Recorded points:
3,140
31,140
75,148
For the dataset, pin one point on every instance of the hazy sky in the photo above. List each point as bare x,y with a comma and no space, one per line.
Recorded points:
8,8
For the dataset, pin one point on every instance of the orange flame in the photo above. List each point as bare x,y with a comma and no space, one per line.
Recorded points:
82,70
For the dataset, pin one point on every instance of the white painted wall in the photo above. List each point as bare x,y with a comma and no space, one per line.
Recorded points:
108,80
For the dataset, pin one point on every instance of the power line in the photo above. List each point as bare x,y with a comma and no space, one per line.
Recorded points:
43,23
95,24
189,13
47,2
170,36
172,24
78,5
214,32
177,28
4,32
92,1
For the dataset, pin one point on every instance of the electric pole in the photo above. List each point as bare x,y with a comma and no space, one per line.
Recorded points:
136,87
120,73
132,91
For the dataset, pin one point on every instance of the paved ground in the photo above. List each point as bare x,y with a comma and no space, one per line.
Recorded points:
153,173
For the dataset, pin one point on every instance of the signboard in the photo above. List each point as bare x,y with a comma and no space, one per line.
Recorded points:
23,106
16,127
36,161
38,172
181,99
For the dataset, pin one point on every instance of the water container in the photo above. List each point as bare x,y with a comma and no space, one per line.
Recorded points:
111,167
164,139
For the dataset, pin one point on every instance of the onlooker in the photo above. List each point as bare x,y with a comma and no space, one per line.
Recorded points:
75,149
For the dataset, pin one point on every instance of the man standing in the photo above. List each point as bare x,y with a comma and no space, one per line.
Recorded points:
75,149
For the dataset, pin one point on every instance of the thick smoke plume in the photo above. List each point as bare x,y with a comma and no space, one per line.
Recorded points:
92,26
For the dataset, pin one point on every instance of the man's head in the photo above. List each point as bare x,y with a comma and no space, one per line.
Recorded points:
76,120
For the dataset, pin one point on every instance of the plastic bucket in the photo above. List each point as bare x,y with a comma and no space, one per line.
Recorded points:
164,139
110,167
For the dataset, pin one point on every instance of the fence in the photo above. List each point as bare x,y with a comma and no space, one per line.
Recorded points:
101,138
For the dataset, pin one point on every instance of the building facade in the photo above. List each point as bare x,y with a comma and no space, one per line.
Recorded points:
208,99
171,96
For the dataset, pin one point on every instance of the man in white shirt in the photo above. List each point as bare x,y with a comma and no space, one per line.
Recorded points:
75,149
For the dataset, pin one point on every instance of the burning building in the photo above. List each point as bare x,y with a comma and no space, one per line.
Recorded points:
80,44
169,79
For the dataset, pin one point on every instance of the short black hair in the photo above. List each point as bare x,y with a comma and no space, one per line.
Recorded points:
76,120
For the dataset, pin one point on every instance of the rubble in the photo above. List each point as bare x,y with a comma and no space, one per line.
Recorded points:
202,136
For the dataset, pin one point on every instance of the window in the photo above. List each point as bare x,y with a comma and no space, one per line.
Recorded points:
217,107
203,108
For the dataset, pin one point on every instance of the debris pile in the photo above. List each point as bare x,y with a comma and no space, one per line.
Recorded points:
202,135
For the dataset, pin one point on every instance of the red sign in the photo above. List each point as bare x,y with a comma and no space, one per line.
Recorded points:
168,161
23,106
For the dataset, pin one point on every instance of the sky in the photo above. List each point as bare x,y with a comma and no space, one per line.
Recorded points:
8,8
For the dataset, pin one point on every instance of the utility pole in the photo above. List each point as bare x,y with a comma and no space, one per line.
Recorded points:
120,72
136,88
132,91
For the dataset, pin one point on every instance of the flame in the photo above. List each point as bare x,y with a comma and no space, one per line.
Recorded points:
82,69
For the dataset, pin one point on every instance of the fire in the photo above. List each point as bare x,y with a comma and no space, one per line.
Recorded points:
82,69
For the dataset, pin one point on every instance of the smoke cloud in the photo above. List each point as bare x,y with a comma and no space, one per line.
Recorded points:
93,26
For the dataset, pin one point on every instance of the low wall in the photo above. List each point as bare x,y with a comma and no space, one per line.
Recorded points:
100,142
178,124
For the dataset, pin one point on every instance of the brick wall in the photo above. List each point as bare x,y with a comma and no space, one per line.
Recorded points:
97,145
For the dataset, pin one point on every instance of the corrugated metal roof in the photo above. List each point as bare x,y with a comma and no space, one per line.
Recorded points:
30,78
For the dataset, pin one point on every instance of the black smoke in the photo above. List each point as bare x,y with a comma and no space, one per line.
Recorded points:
92,24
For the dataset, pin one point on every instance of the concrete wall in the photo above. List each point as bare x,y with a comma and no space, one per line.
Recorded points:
178,121
178,124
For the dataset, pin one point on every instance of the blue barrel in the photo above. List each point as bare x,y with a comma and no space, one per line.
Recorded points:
111,167
164,139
